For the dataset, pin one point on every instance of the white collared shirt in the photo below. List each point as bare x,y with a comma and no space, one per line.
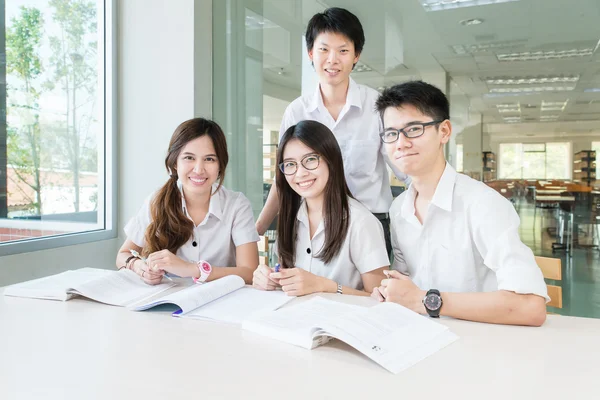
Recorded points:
363,249
469,241
229,223
357,132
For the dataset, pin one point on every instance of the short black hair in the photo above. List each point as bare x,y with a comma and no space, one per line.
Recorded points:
336,20
426,98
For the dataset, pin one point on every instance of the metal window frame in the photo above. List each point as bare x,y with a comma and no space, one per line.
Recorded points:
110,153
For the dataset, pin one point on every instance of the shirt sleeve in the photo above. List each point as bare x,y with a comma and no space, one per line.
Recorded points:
399,264
243,229
496,235
136,227
367,243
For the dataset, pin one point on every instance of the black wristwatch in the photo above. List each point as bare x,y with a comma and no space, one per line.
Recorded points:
433,303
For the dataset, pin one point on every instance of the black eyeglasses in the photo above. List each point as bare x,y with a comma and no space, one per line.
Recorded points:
309,161
390,135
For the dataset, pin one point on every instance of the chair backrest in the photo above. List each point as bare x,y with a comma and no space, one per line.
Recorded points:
551,269
263,250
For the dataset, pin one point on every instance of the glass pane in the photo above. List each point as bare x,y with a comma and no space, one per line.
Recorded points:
558,161
510,161
518,88
534,165
54,125
534,147
459,157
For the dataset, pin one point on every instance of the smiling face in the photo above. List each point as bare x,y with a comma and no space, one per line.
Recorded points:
308,183
415,157
333,57
198,166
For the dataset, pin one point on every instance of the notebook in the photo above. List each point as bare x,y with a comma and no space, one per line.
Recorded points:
226,299
389,334
117,288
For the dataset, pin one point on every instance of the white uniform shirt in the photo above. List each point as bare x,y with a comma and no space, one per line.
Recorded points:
229,223
469,241
357,132
362,251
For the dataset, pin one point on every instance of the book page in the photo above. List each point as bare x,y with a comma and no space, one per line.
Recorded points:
239,305
54,287
197,295
391,335
298,324
119,288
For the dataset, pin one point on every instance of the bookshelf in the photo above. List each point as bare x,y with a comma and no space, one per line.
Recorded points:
489,166
584,167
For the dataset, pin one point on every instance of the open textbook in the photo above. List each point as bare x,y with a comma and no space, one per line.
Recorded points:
117,288
225,299
389,334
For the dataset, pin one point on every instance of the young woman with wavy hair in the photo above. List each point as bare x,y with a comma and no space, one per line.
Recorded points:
193,226
326,240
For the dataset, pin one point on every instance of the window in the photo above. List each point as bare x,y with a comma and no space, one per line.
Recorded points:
55,124
459,158
535,161
596,148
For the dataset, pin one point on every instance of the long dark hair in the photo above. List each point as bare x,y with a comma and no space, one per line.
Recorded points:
336,209
170,227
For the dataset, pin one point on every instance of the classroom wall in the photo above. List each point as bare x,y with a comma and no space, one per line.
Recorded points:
164,77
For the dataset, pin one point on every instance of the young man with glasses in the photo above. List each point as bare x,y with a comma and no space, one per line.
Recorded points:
335,40
457,250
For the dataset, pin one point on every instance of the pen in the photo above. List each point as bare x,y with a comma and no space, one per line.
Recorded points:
277,267
138,255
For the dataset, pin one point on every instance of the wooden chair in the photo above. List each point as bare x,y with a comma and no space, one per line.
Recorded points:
263,250
551,270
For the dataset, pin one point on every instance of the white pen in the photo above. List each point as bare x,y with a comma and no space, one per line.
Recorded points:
138,255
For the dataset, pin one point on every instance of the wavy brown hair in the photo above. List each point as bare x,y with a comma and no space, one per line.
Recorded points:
336,209
170,227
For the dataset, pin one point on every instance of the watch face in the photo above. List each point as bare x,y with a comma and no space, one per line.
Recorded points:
206,267
433,302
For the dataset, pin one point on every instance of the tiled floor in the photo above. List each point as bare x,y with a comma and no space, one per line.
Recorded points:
581,272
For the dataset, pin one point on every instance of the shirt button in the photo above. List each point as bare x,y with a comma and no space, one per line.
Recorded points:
308,250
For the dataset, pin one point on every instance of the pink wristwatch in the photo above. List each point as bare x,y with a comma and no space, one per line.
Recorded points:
205,269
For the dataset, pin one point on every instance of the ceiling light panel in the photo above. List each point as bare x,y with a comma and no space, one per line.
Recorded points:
509,108
554,105
438,5
360,67
545,55
532,89
532,80
480,47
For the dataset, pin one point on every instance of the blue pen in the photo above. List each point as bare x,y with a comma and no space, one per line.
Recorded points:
138,255
277,267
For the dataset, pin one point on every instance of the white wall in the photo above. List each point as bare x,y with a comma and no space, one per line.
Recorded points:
164,78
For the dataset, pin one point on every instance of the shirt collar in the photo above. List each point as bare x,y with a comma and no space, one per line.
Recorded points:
302,216
444,192
442,197
408,206
352,97
214,207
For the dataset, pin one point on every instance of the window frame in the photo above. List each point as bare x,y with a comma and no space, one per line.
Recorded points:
109,77
523,152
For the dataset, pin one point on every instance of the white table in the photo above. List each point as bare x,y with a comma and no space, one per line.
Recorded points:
84,350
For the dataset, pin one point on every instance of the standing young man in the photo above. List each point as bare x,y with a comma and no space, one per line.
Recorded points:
335,40
457,250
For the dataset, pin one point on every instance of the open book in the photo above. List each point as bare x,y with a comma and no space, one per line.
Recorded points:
117,288
389,334
225,299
